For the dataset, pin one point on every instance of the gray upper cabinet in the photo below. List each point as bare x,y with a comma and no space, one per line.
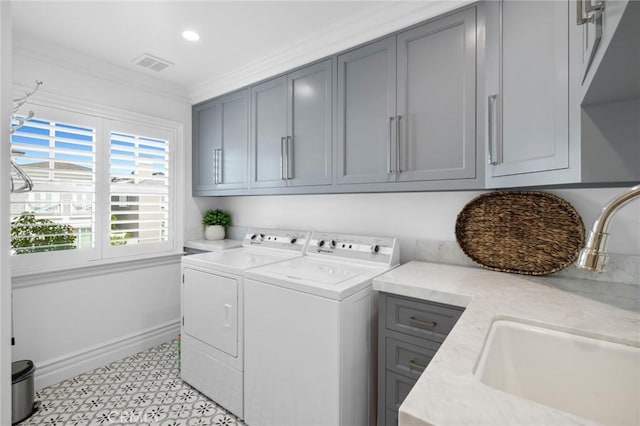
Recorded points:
308,148
406,107
436,113
366,110
220,149
528,88
291,132
268,133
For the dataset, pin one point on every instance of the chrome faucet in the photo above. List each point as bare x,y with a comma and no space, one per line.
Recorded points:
593,256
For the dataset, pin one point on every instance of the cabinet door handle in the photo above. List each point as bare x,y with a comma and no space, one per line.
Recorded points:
289,152
425,325
415,366
282,160
219,168
398,143
389,145
214,166
491,108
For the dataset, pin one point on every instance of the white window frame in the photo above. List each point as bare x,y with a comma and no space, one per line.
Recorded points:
58,108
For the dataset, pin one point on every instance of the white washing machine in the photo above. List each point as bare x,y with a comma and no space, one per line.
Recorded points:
310,334
212,311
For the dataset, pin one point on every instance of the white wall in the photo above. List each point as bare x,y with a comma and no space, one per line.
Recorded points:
5,279
84,321
69,325
408,216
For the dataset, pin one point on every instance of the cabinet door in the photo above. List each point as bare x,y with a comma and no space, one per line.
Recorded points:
532,130
437,99
309,137
220,143
210,309
366,111
206,139
233,152
268,133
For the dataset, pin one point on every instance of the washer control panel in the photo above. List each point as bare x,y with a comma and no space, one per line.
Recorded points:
382,250
276,238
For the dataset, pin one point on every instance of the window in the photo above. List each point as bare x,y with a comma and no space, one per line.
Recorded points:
102,189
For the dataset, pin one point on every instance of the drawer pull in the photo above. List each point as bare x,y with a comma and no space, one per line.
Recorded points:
425,325
415,366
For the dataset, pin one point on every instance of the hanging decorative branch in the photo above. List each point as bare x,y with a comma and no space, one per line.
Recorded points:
17,121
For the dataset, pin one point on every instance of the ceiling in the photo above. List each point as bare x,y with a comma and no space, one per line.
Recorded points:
234,34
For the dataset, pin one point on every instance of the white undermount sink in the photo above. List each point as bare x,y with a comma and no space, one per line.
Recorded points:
591,378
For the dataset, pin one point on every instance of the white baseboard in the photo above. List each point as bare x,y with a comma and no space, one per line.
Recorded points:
75,363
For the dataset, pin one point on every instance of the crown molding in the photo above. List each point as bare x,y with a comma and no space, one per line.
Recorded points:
385,18
59,56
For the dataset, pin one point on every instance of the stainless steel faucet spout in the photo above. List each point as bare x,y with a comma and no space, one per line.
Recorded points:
593,256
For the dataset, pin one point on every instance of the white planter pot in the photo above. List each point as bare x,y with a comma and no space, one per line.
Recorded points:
214,232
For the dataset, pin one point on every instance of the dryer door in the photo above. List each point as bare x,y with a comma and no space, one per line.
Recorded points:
210,309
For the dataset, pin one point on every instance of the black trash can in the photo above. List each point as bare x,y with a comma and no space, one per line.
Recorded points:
22,390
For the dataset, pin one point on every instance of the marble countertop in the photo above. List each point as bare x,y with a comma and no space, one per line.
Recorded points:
448,393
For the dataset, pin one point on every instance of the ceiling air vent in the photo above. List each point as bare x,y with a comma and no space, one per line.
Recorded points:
152,62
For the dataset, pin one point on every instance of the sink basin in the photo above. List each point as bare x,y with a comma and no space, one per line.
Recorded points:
591,378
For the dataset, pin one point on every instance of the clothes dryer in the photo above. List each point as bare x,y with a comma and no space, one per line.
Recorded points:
212,349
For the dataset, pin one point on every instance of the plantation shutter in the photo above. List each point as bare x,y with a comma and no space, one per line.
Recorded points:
139,189
59,213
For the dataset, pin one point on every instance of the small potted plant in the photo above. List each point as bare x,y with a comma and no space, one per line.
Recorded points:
215,222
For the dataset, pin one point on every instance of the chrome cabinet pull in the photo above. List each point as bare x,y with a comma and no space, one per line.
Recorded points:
415,366
425,325
389,144
398,143
214,166
282,160
491,106
289,150
220,175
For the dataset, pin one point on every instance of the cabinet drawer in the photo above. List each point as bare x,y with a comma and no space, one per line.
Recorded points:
419,318
397,389
409,359
391,418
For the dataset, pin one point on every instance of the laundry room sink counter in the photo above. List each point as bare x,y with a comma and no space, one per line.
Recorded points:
448,392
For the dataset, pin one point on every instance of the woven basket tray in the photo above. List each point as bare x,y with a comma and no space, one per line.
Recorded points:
530,233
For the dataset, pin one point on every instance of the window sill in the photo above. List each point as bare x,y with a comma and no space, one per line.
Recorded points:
45,276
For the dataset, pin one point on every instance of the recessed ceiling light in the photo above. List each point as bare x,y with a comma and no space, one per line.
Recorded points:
190,35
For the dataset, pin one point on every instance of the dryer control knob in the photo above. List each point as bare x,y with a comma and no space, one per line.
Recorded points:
321,243
293,240
261,237
333,243
375,248
253,236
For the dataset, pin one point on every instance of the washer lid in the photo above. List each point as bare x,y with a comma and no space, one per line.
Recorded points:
326,273
331,279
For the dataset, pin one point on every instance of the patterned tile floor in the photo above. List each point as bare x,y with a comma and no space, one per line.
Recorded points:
143,389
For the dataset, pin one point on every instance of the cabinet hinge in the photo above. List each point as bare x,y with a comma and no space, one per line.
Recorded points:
182,278
183,321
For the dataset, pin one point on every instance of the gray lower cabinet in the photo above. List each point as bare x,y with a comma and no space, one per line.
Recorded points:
292,129
221,144
410,331
406,108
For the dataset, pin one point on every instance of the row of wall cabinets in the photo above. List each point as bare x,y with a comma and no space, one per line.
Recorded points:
482,97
